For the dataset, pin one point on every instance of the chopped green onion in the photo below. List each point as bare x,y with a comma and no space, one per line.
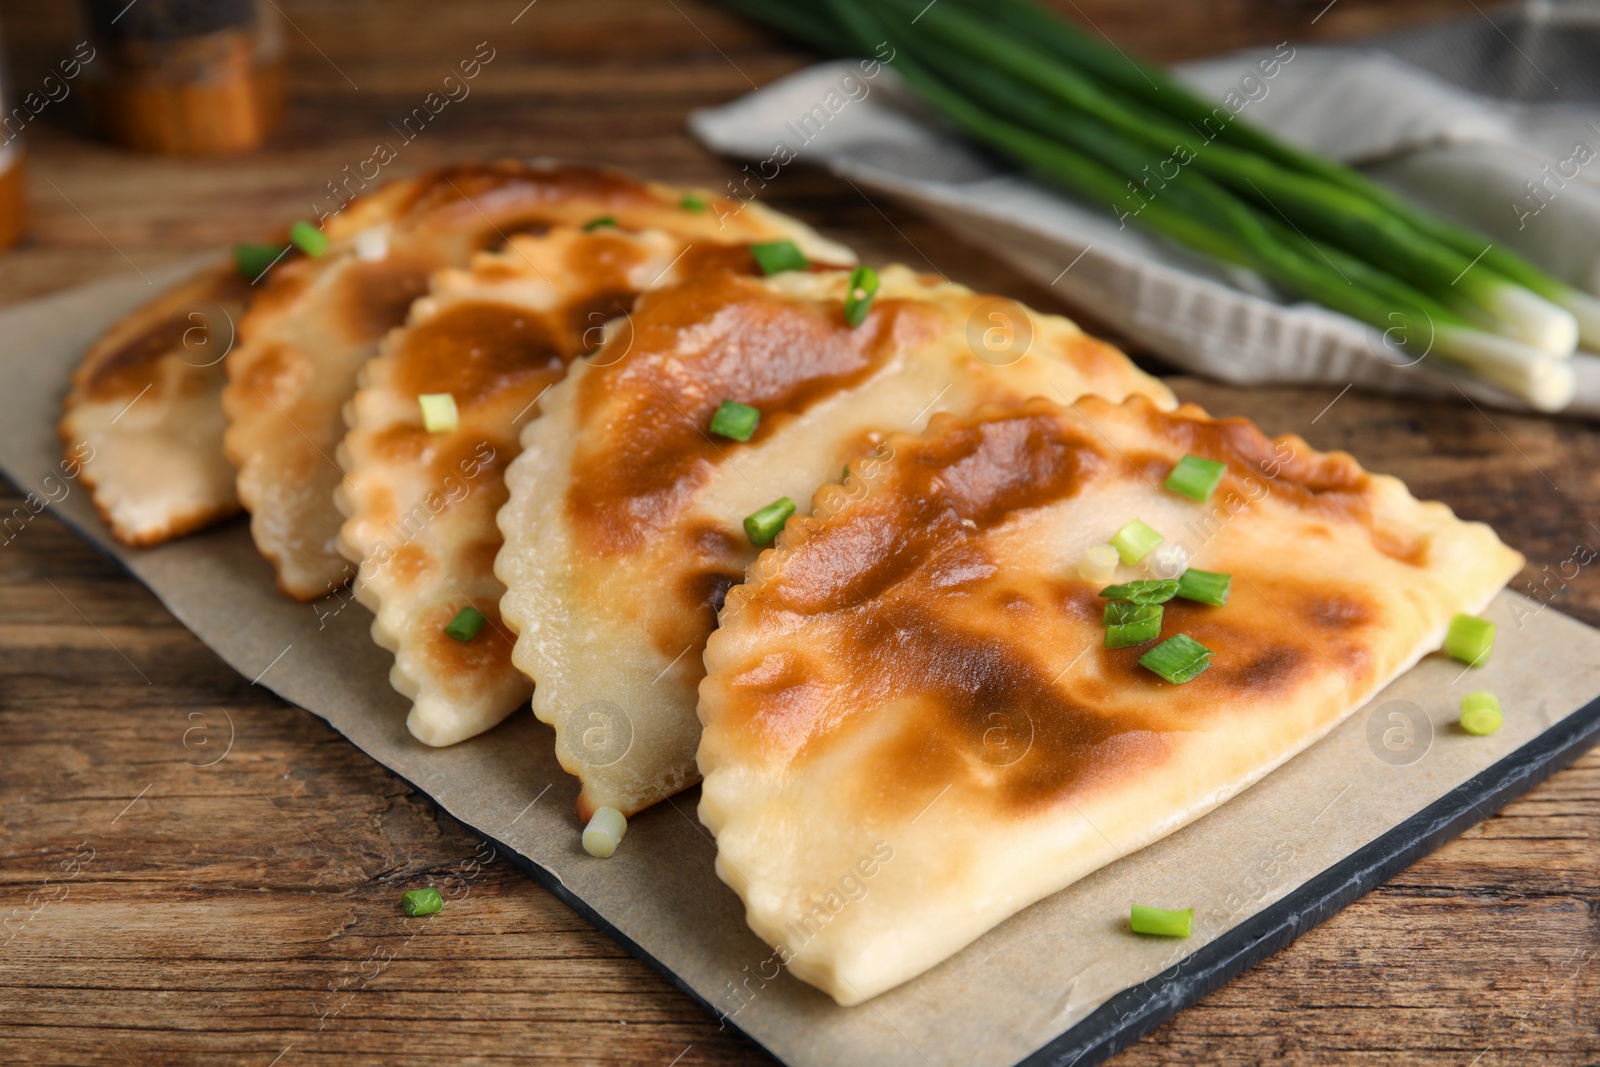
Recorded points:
1177,659
438,412
603,220
604,833
1122,612
1470,639
762,526
735,420
1196,478
1134,541
421,901
1147,920
693,203
1143,591
775,257
252,260
1206,587
308,239
1099,564
1480,713
1131,624
863,286
465,626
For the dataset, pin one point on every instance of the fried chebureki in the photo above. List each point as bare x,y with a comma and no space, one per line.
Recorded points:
320,318
421,505
623,524
145,405
873,659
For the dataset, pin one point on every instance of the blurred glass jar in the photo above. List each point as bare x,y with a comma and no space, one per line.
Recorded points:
13,192
185,77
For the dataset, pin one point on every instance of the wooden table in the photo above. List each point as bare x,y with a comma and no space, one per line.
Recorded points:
246,912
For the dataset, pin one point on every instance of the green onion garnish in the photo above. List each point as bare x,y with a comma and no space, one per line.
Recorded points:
1146,920
421,901
1134,541
1098,565
1470,639
1206,587
1143,591
693,203
863,286
775,257
604,833
1480,713
1177,659
763,526
603,220
735,420
252,260
438,412
465,626
308,239
1196,478
1131,624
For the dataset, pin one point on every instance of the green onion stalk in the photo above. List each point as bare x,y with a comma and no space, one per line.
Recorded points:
1310,203
1098,161
1157,89
1545,381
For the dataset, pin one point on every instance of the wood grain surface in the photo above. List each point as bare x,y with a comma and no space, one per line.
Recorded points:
210,902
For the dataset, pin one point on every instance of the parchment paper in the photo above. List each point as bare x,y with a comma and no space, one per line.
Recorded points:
1005,996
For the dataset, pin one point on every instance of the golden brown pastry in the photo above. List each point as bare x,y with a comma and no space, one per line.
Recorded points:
144,406
921,668
624,523
421,505
319,319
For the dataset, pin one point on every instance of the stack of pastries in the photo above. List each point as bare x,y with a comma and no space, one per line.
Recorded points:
640,385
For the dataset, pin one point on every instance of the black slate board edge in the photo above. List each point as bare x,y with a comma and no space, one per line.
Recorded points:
1137,1011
